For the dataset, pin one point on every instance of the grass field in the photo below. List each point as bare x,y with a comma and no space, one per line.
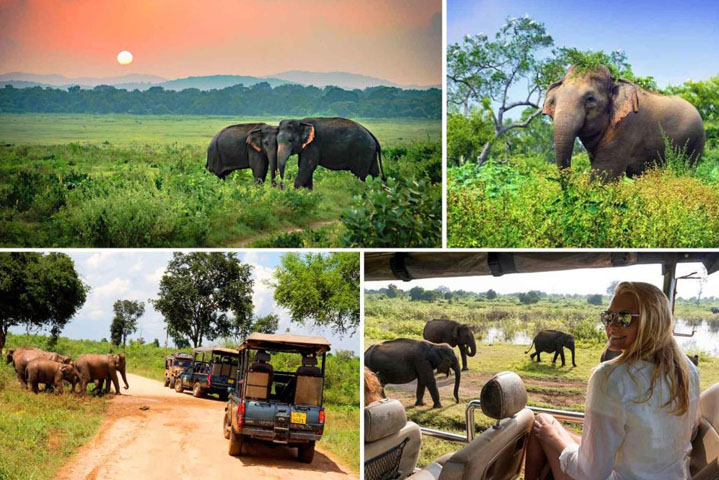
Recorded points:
548,385
72,180
73,421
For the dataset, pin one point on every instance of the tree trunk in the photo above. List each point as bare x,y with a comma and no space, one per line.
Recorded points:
3,336
482,159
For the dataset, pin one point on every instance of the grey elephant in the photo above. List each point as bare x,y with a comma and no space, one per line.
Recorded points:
333,143
621,125
245,145
21,357
95,368
453,333
552,341
51,374
403,360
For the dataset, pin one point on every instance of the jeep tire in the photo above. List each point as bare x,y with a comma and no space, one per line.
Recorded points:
236,442
227,425
197,390
178,385
306,452
167,382
173,379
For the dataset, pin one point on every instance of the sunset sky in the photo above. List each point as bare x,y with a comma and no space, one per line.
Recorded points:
400,41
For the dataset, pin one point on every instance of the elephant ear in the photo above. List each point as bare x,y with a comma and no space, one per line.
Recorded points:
455,333
548,108
434,356
254,140
308,134
624,100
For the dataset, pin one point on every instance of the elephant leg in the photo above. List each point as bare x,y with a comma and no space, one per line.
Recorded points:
107,385
532,355
113,376
428,380
538,359
21,379
463,351
556,354
561,352
420,394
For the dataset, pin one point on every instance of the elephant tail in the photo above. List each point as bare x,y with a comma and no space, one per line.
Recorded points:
379,157
530,346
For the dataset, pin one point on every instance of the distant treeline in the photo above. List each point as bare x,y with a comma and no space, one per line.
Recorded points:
259,99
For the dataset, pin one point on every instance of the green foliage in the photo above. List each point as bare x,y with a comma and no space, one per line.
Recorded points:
42,291
321,290
259,99
124,323
466,135
197,291
159,195
703,95
596,299
616,61
527,203
528,298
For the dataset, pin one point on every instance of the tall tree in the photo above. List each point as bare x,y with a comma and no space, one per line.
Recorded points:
481,71
127,312
40,291
267,324
320,289
205,296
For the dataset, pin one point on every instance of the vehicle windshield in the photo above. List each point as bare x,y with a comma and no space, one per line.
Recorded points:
183,363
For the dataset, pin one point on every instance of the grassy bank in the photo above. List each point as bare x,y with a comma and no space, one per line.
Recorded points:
341,436
118,181
547,385
39,433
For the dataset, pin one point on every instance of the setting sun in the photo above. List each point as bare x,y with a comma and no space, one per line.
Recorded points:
124,58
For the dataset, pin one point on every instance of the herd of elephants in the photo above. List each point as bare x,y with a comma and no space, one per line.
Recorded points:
35,366
403,360
333,143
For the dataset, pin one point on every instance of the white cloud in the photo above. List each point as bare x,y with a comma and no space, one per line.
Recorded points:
138,267
155,276
95,314
99,259
115,288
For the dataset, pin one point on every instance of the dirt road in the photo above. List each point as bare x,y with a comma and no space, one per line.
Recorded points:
180,437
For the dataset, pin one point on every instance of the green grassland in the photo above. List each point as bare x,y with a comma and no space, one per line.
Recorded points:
548,385
522,201
139,181
73,421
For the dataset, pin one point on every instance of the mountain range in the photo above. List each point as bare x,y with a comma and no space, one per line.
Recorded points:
348,81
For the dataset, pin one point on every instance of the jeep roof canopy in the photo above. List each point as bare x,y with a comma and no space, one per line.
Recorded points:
228,351
286,343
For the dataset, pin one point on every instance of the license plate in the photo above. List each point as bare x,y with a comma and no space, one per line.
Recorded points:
298,417
231,381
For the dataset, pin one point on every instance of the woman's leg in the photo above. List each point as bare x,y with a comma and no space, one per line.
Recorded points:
543,450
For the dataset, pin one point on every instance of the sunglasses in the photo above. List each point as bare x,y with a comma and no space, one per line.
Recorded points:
623,319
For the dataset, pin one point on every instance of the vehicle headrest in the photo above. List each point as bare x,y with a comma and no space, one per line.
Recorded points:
503,395
383,418
309,361
262,356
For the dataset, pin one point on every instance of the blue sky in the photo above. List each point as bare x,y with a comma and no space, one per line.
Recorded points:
135,275
673,41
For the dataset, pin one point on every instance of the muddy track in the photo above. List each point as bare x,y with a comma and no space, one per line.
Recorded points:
180,437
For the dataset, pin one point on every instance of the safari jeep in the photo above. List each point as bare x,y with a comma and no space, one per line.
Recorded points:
213,370
392,444
281,407
174,364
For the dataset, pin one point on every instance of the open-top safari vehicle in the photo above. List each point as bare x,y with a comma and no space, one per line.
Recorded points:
213,370
174,364
392,443
282,407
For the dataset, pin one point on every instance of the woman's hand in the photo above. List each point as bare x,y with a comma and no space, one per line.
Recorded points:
549,430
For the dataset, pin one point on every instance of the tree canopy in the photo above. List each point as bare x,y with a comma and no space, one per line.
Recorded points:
124,323
39,291
205,296
320,289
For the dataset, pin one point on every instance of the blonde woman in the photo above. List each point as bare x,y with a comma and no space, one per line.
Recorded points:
641,407
372,387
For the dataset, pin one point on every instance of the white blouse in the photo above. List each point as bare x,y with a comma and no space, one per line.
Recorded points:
623,439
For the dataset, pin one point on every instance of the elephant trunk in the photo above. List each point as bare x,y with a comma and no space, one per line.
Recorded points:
566,129
472,347
124,378
458,374
283,153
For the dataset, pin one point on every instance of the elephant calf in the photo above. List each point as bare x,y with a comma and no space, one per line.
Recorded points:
245,145
21,357
552,341
453,333
51,374
403,360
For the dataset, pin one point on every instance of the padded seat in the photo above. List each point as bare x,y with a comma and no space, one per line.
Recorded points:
391,443
259,377
705,447
308,388
498,453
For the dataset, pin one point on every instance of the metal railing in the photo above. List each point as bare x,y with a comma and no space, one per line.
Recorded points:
472,405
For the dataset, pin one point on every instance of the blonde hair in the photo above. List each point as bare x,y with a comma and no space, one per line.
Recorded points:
655,343
372,387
